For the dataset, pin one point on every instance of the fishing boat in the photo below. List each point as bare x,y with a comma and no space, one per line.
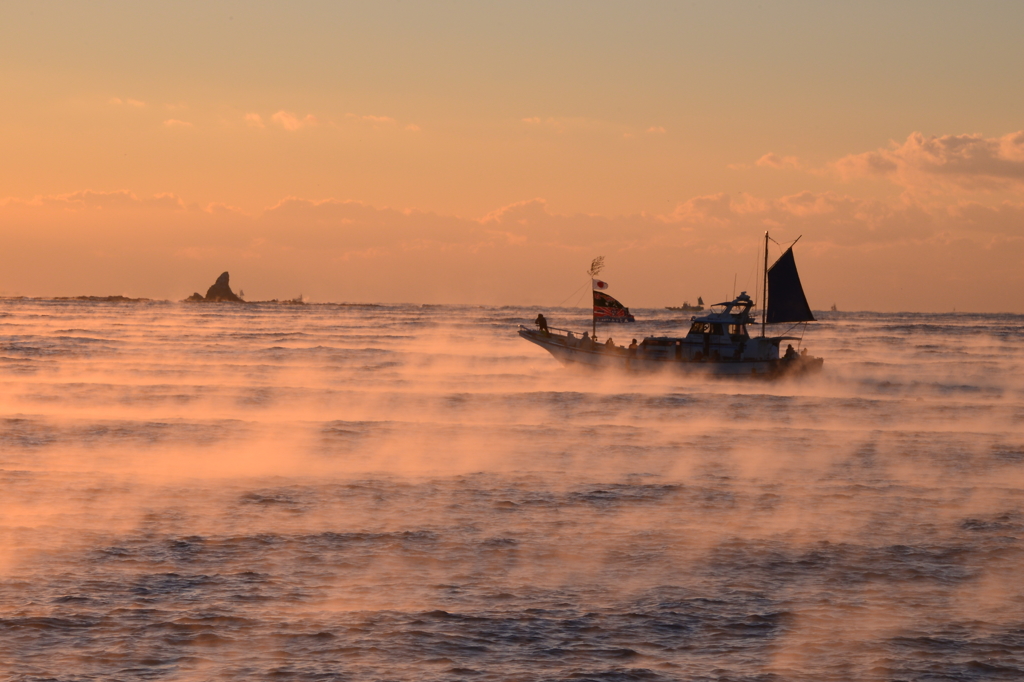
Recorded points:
716,344
687,308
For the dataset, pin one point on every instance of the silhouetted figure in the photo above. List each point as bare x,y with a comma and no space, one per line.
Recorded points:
542,323
790,353
632,346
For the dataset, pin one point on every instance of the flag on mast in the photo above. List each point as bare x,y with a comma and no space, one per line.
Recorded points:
599,285
607,309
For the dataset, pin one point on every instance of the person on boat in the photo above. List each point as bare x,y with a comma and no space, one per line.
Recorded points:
790,353
632,346
542,323
570,339
609,342
585,342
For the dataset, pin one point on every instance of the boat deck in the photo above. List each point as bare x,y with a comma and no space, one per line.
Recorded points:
571,350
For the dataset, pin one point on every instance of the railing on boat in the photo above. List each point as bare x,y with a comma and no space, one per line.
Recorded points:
577,337
558,329
555,329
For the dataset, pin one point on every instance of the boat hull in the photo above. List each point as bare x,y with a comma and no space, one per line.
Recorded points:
614,357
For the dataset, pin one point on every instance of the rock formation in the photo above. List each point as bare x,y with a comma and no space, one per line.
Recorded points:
219,292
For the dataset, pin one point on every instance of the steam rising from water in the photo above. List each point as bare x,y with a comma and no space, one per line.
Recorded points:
197,492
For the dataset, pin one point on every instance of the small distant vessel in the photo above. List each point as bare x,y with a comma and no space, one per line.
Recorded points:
834,308
717,344
687,308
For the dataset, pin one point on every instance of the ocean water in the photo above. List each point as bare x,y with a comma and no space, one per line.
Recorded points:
221,492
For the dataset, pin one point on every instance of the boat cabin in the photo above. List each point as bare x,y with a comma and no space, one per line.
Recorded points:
721,335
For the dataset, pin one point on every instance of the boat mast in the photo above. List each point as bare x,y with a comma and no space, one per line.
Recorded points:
764,289
596,266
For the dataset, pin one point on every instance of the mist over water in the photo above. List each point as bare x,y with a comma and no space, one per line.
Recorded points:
411,493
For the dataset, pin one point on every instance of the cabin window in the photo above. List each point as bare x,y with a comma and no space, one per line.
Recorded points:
737,330
697,328
716,329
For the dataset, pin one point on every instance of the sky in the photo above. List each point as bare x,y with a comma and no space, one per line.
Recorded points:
484,152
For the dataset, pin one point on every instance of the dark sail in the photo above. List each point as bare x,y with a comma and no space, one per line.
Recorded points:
607,309
786,300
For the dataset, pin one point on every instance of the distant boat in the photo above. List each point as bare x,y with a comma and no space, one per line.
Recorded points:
687,308
834,308
717,344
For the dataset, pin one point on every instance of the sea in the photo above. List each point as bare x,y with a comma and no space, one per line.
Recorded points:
408,492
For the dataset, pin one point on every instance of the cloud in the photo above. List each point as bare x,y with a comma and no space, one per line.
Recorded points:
175,123
656,129
290,121
100,200
714,219
331,223
382,122
951,162
828,218
712,209
129,101
254,120
772,160
872,247
563,124
521,212
378,122
219,207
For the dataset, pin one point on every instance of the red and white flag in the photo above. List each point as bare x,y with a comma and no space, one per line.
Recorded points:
599,285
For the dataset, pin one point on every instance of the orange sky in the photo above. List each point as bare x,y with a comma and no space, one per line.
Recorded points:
485,152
